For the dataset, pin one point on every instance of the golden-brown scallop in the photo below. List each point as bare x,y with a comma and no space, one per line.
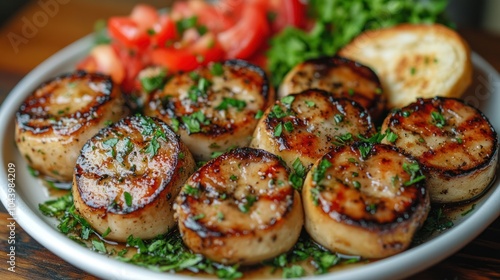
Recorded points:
240,208
307,125
339,76
213,108
454,142
127,177
55,121
365,200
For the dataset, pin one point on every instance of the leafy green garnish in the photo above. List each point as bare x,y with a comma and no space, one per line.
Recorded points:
194,121
216,69
436,221
415,174
298,174
338,22
152,83
231,102
319,172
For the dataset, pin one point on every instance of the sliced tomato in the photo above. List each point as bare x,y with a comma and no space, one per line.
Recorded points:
164,31
127,32
145,16
244,38
205,50
287,13
133,63
108,62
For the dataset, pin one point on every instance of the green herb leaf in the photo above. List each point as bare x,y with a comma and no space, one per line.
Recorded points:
152,83
216,69
226,102
128,198
319,172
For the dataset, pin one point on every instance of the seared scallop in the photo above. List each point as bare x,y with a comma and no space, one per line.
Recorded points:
307,125
127,177
454,142
240,208
213,108
339,76
365,200
55,121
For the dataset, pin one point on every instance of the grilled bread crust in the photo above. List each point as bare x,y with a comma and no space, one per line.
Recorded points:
414,61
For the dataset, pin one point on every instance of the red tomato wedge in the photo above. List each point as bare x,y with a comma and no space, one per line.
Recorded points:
127,32
203,51
287,13
144,15
244,38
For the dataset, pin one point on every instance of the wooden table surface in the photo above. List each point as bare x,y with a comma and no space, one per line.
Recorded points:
68,20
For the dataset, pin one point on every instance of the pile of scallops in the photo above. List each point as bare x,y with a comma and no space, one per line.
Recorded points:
270,166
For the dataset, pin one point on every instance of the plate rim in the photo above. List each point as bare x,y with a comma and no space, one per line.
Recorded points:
106,267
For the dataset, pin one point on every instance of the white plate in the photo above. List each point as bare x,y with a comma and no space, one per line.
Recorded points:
484,93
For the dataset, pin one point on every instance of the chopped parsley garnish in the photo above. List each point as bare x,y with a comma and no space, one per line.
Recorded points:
108,122
189,190
194,121
415,174
310,103
108,231
128,198
33,171
343,139
175,124
111,142
356,184
364,149
259,114
319,172
233,177
99,246
152,83
436,221
216,69
277,112
391,136
288,126
350,92
287,100
374,139
469,210
295,271
200,90
220,216
231,102
338,118
249,201
406,114
198,217
278,130
188,23
459,140
438,119
298,174
305,249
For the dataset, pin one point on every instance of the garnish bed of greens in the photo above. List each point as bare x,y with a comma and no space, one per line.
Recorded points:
338,22
167,253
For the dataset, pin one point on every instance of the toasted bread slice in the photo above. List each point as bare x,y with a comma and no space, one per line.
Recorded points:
414,61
